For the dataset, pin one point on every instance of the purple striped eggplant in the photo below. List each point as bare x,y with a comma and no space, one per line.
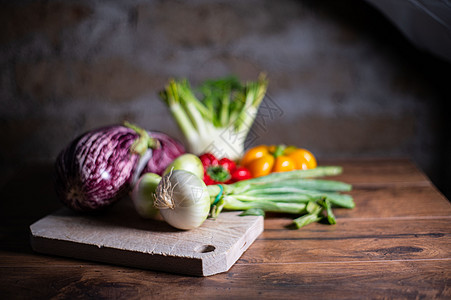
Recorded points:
97,168
163,155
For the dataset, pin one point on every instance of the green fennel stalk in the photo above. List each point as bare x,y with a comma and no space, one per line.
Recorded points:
218,115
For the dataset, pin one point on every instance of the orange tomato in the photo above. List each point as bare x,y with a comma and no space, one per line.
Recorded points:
254,153
303,159
272,148
262,160
283,164
261,166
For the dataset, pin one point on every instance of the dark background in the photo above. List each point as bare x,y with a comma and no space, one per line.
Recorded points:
346,81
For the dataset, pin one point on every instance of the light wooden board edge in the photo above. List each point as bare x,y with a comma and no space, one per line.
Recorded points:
209,263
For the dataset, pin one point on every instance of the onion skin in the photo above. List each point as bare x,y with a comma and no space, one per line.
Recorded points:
94,170
143,195
187,162
163,155
183,199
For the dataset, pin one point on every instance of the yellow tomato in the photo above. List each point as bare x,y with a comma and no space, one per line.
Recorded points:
261,166
283,164
253,154
272,149
262,160
303,159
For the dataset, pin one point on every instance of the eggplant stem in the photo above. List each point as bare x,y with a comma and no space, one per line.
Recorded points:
144,142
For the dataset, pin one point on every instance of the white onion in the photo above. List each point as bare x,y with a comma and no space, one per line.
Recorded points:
143,195
188,162
183,199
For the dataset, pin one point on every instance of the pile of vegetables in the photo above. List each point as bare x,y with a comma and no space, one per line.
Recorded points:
101,166
263,160
183,194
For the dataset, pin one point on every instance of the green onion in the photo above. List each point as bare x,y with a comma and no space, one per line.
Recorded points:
184,201
313,215
253,212
292,192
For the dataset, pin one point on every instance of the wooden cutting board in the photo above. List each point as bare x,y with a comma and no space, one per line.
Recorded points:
120,236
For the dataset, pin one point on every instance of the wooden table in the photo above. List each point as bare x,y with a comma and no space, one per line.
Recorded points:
395,244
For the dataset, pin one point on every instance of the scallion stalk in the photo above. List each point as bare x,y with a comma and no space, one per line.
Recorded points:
288,192
320,171
313,215
232,203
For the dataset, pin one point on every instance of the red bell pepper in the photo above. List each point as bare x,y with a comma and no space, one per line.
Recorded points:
223,170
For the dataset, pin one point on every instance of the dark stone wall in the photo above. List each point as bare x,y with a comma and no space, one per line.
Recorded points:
346,82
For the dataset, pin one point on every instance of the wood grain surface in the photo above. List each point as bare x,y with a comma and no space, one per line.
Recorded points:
120,236
395,244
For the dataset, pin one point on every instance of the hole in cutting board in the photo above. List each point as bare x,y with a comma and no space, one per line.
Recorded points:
205,248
